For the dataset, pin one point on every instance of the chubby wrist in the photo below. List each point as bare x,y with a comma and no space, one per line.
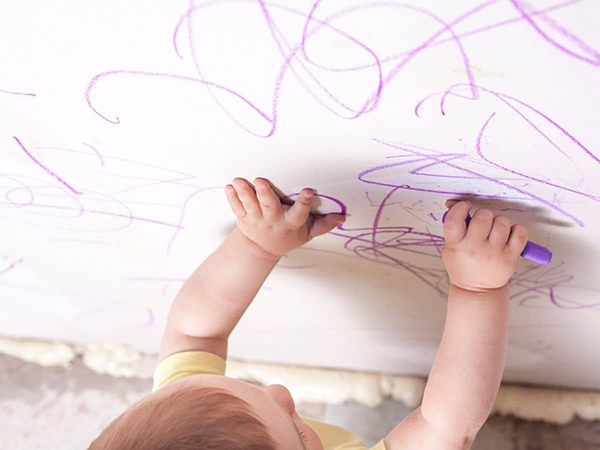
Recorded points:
492,296
482,291
248,246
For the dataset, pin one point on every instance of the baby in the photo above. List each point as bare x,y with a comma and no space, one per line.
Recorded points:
194,406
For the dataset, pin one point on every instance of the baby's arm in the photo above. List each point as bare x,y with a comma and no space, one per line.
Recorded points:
467,370
214,298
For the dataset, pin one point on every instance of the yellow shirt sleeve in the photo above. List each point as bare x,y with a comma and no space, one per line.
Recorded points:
338,438
183,364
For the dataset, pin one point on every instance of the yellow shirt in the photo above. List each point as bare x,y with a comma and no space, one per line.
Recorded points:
180,365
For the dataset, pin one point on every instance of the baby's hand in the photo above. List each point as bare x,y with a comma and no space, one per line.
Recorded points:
275,227
484,255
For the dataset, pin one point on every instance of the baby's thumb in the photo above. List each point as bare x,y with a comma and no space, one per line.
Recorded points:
325,224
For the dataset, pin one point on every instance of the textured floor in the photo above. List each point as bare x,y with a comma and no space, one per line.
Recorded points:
56,408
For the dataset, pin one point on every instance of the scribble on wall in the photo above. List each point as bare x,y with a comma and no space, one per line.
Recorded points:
88,194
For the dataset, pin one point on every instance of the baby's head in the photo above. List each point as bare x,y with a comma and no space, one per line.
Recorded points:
211,412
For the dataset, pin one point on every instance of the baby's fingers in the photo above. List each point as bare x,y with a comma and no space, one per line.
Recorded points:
455,226
480,225
450,203
500,231
324,224
234,202
300,210
247,196
269,201
517,240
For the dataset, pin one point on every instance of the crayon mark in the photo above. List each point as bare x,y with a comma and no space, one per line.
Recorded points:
48,171
24,94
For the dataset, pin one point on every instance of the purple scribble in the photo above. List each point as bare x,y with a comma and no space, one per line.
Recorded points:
511,103
25,94
548,287
441,159
532,286
506,99
430,172
34,196
593,57
162,75
365,243
539,180
535,285
97,153
369,105
48,171
296,54
80,210
11,266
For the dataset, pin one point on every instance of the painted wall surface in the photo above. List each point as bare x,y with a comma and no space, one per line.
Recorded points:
121,123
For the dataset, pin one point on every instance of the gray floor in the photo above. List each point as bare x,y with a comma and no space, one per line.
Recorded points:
56,408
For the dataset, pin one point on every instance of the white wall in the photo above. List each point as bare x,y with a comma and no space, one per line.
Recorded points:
121,122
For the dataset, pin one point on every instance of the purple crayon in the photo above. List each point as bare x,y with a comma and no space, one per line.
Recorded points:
532,251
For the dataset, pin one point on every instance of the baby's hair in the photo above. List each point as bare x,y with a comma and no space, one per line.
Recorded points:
192,418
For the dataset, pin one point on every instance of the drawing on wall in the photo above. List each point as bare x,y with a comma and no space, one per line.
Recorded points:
120,132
